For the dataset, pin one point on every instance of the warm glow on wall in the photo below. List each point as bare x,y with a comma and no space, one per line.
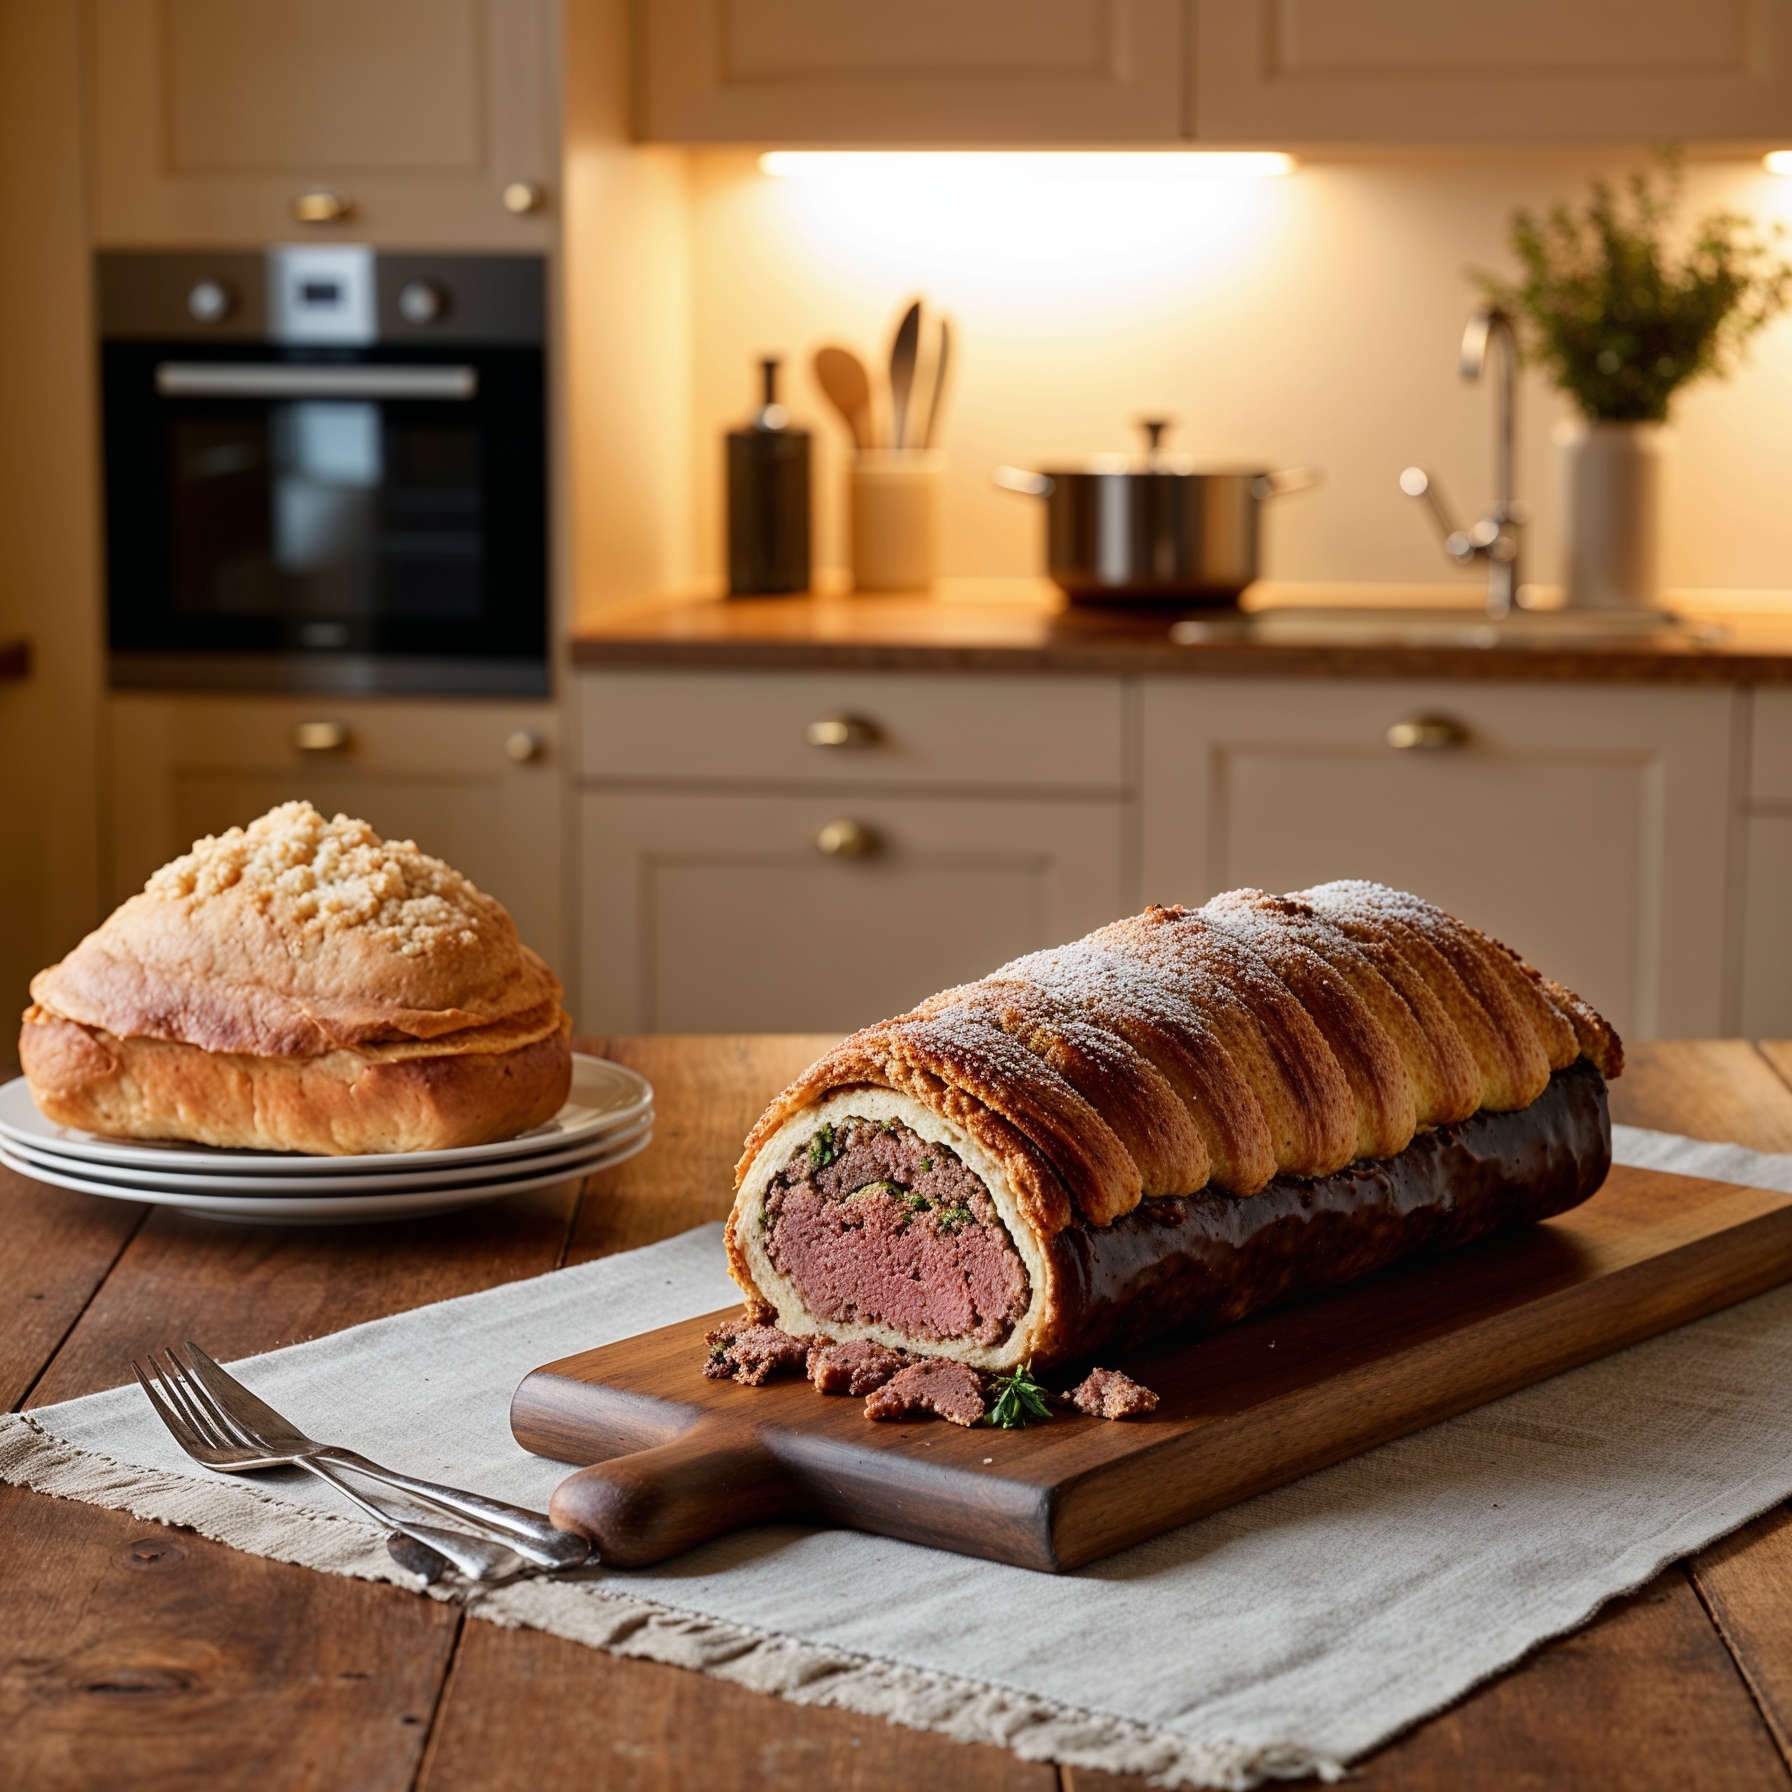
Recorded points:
1039,228
1036,165
1778,161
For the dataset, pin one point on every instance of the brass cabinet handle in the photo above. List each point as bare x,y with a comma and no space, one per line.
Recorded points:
320,737
1428,734
847,840
322,206
520,197
522,746
843,731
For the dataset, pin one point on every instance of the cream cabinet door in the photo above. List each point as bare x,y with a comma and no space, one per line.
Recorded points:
1764,973
721,914
436,773
928,71
1342,71
212,116
1587,826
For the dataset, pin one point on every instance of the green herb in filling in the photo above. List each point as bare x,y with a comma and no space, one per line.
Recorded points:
1019,1400
926,1165
951,1218
822,1148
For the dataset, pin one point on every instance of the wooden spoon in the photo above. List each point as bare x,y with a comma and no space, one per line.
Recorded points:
842,376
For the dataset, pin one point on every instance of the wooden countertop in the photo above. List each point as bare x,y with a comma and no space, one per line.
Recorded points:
1290,631
144,1653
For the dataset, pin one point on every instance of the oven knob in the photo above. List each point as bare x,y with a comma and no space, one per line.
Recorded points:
421,303
210,302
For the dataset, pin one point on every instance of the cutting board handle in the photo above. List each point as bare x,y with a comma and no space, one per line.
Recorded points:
641,1508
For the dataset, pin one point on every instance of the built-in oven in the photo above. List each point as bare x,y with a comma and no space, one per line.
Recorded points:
325,469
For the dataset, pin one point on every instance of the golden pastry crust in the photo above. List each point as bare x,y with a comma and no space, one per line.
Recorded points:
1258,1036
403,1096
301,985
295,936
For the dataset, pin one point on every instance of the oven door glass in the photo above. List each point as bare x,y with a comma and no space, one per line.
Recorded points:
357,512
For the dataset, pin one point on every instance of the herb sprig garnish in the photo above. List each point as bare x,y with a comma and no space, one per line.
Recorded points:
1020,1400
822,1147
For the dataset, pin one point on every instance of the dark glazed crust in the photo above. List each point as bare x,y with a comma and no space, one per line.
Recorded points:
1191,1264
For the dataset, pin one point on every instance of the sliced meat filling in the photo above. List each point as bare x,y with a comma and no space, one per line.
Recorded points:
876,1225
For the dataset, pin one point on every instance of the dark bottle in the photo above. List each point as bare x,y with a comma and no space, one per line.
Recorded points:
768,501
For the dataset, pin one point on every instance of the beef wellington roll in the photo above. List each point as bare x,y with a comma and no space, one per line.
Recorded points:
1184,1117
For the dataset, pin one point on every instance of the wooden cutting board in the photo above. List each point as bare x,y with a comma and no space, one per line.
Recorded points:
681,1459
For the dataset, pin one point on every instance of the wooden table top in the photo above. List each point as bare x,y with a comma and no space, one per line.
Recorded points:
1026,625
142,1655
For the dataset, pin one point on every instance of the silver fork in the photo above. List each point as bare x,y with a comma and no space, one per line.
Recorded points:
530,1534
203,1429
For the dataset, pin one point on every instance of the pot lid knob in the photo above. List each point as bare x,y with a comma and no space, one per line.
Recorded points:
1154,428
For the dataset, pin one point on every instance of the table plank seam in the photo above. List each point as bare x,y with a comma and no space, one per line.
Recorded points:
68,1331
432,1734
1738,1655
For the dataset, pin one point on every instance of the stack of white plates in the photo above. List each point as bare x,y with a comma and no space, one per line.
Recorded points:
607,1118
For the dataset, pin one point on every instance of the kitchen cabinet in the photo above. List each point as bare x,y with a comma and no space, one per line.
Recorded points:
476,784
812,851
931,71
1276,72
1589,826
1764,971
212,120
1353,71
706,912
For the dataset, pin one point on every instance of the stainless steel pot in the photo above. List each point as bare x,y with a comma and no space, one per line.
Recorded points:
1153,528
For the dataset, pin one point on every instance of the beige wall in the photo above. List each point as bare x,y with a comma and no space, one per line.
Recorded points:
49,574
1307,320
628,327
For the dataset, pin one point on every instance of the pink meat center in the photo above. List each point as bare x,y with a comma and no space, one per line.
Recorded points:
876,1225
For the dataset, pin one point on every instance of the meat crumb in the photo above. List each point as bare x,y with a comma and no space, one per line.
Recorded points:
1107,1394
752,1354
951,1390
859,1366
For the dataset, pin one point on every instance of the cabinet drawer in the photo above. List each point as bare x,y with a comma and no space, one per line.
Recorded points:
721,914
1061,733
1587,826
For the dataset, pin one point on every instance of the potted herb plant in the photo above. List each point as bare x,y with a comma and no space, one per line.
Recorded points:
1621,324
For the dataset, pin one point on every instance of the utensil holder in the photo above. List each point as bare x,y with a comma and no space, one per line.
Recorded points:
893,518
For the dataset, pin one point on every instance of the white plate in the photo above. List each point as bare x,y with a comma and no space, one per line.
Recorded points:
604,1097
569,1162
324,1210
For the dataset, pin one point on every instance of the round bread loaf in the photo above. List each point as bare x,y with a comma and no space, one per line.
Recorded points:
301,985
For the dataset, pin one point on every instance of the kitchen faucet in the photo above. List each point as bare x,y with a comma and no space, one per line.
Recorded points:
1495,537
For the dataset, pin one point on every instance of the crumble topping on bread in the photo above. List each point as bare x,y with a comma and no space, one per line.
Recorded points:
314,876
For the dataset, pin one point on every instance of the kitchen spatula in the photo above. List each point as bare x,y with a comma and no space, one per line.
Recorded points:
902,372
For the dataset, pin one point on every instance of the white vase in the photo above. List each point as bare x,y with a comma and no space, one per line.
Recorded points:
1611,514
